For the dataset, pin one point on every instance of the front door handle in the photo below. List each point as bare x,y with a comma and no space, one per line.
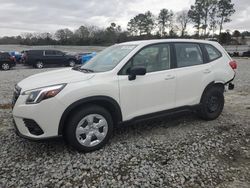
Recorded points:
206,71
169,77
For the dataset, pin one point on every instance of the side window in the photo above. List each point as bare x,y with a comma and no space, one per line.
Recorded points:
153,58
188,54
47,52
4,56
213,53
59,53
50,52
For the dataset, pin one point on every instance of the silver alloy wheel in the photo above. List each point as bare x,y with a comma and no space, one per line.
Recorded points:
91,130
39,65
72,63
5,66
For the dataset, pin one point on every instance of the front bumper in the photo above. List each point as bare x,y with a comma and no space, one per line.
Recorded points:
32,138
46,114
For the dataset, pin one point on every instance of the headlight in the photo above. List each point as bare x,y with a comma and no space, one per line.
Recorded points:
39,94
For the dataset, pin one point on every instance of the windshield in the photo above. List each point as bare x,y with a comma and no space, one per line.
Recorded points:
108,58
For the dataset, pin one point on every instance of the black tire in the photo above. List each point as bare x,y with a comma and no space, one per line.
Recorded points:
212,103
72,124
5,66
39,65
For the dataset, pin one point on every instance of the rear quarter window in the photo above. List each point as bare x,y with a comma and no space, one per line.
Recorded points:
212,52
188,54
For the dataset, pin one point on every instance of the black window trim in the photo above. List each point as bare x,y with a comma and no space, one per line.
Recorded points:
158,43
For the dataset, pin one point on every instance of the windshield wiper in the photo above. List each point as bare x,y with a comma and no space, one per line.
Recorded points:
79,68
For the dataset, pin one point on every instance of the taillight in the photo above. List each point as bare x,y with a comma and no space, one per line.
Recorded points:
233,64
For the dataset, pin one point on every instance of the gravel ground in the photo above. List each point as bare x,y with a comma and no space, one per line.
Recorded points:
179,151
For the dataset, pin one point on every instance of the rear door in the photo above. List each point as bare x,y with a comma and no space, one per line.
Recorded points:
49,57
53,57
193,73
60,58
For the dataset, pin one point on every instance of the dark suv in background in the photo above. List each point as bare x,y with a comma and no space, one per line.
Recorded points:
40,58
6,61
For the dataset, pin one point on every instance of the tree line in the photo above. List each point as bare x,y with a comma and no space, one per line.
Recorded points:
205,16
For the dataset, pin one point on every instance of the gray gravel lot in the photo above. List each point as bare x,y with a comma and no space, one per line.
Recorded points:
179,151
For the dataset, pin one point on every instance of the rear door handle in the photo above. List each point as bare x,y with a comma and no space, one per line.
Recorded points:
169,77
206,71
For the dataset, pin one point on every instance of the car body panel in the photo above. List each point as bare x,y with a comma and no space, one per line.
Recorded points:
66,75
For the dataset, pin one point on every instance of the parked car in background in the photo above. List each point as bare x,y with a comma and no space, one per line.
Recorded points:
41,58
79,56
246,54
6,61
125,82
85,57
17,56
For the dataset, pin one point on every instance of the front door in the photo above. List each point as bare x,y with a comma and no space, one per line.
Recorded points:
152,92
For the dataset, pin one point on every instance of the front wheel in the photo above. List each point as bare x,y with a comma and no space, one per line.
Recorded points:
5,66
212,103
89,129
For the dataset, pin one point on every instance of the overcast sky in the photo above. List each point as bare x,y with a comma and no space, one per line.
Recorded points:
18,17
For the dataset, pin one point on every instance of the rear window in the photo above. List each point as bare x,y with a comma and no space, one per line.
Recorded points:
188,54
213,53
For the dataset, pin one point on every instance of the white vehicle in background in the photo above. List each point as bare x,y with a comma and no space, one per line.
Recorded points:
125,82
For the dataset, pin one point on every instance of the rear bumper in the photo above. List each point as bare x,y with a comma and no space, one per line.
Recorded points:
230,84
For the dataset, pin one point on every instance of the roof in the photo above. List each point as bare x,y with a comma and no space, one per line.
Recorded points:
145,42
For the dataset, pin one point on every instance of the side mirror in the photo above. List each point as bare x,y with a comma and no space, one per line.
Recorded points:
134,71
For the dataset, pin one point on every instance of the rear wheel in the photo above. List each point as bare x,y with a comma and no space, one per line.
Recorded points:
5,66
89,129
212,103
39,65
72,63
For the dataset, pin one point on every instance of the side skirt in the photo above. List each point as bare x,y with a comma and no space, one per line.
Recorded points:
161,114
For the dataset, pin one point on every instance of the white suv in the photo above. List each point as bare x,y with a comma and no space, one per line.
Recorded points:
125,82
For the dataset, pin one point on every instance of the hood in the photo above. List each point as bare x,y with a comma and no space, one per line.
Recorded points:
66,75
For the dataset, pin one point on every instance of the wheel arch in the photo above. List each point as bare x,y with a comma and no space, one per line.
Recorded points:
106,102
213,84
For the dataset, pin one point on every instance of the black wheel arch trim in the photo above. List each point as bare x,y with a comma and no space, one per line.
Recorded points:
211,84
89,100
230,80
